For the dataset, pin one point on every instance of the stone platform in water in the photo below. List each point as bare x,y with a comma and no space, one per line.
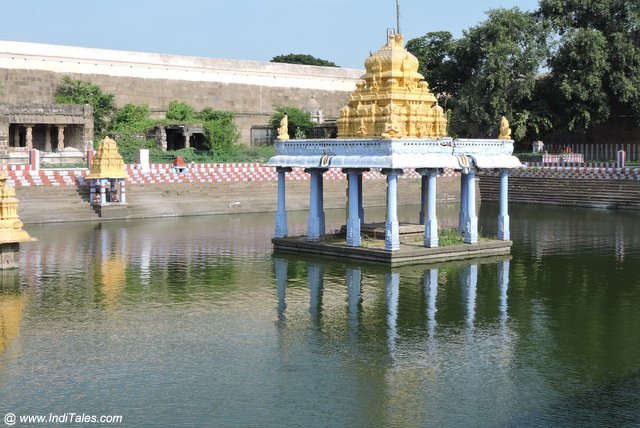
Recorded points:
411,251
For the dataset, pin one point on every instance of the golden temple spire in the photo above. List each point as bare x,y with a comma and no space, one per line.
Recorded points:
107,163
392,100
10,224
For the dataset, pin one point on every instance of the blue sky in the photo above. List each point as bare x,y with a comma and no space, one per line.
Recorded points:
342,31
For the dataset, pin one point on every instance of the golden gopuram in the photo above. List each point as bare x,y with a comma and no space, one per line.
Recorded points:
107,177
11,232
107,163
392,100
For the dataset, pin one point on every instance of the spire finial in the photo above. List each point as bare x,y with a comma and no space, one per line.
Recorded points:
397,16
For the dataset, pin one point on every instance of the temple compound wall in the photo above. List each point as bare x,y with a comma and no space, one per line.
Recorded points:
30,73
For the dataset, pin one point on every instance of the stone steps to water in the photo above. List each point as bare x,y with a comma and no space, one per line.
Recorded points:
620,194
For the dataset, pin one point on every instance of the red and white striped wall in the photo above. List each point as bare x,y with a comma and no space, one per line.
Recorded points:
20,175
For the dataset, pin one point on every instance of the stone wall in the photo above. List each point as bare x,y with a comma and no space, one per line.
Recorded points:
30,72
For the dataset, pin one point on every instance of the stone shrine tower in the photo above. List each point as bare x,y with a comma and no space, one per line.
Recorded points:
392,100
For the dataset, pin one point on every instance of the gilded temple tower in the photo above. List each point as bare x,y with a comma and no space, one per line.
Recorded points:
11,232
392,100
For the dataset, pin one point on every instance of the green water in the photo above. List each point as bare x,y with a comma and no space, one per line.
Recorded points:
193,322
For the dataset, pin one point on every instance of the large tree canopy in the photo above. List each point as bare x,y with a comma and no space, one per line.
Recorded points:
71,91
497,64
434,51
568,65
596,67
304,59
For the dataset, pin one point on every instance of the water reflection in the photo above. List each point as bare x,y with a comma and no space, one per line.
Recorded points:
129,316
410,297
12,304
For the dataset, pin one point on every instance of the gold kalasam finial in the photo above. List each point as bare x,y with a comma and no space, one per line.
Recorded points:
392,100
505,131
283,129
107,163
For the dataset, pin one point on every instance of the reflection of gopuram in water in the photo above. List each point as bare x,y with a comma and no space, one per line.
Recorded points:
12,304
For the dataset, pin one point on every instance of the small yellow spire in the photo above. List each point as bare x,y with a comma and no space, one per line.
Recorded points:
107,163
10,224
505,131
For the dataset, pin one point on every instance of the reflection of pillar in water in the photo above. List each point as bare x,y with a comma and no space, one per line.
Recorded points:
470,283
104,243
354,297
145,262
503,280
314,279
392,283
619,243
123,241
430,285
281,281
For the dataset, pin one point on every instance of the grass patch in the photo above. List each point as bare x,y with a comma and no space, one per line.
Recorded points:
446,237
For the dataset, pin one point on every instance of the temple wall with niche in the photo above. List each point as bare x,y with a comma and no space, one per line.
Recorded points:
250,89
62,131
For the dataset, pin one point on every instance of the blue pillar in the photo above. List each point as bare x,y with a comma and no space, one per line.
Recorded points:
321,200
123,191
92,195
392,228
503,219
463,202
423,199
104,186
281,213
360,207
471,221
353,221
431,224
313,225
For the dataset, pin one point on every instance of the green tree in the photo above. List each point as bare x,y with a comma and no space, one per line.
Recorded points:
180,111
596,67
131,116
304,59
498,64
434,52
219,128
299,121
71,91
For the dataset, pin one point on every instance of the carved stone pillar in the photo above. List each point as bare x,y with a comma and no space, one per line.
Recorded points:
16,136
187,143
61,137
29,137
47,138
